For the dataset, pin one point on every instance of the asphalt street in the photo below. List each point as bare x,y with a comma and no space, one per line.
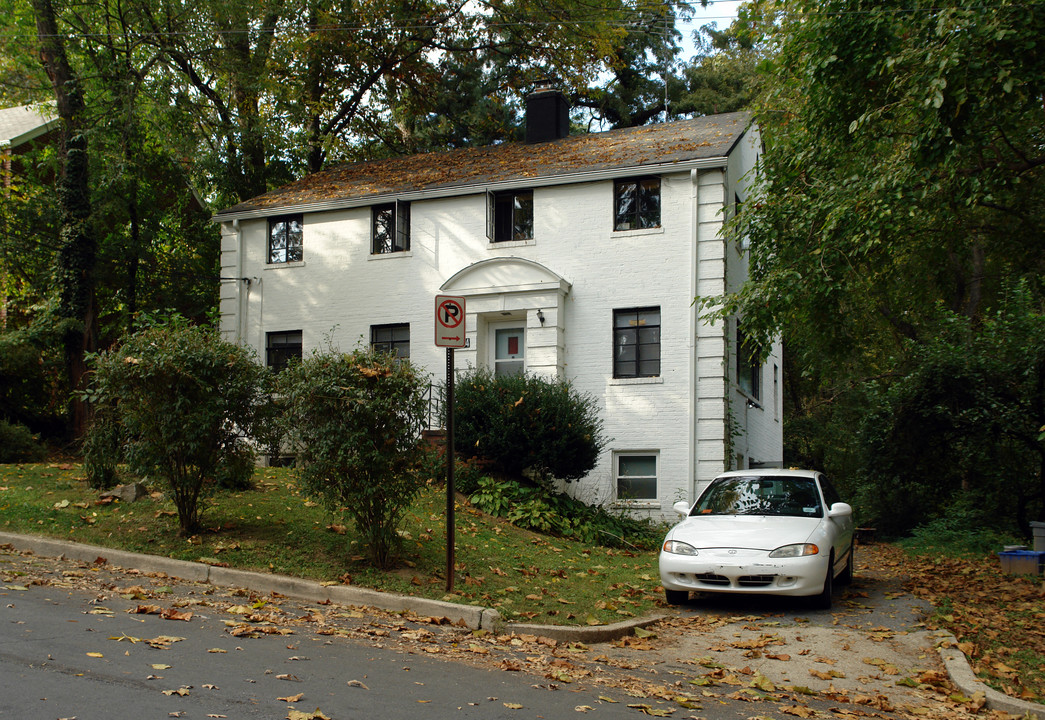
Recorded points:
66,653
81,637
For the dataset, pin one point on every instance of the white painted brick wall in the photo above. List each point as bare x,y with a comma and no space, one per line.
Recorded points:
340,290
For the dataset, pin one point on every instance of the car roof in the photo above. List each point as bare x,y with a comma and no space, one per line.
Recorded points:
770,472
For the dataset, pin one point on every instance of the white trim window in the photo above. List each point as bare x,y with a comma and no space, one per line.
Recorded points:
636,342
390,228
509,216
392,339
636,203
635,476
285,239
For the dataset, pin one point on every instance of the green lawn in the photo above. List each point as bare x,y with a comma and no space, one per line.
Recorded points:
276,528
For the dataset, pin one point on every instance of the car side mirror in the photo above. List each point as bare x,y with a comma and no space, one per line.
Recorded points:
681,507
840,510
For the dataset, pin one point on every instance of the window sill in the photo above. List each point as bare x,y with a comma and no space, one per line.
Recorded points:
281,266
637,381
510,243
639,232
390,255
636,505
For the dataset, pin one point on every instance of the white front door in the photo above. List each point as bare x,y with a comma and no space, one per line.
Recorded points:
509,349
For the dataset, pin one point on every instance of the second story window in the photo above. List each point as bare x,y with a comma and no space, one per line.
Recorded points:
636,203
285,239
510,216
390,228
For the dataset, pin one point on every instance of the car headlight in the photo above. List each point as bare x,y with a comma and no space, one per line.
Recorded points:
677,547
800,550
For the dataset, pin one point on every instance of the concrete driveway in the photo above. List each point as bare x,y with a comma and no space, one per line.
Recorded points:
871,648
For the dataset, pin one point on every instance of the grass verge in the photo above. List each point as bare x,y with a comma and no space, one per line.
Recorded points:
275,528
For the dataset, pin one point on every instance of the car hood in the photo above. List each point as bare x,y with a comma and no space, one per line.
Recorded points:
744,531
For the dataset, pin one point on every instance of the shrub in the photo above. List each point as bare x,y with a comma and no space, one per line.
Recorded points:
544,511
17,444
467,472
528,425
356,419
32,383
182,398
102,448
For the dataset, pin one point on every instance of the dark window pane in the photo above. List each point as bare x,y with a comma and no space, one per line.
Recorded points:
624,201
383,228
637,477
513,216
648,335
281,348
636,203
649,203
522,217
393,339
636,340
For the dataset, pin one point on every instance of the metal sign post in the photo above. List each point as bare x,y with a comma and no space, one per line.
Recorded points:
450,333
451,523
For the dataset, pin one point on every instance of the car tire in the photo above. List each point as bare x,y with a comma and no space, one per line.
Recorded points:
676,597
850,566
823,600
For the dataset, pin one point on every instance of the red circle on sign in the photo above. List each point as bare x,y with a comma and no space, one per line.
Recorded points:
450,319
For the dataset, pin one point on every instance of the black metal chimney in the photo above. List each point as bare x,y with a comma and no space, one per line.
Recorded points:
547,115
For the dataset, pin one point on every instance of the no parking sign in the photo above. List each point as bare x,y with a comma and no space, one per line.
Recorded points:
449,321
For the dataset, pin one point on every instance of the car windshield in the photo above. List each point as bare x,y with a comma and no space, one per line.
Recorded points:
760,495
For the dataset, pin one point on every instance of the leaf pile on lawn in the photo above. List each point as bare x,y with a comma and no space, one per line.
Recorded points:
998,619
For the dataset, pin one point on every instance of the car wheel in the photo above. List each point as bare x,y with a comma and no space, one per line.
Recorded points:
847,574
823,600
676,597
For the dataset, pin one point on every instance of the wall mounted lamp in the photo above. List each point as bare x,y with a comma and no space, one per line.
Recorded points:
540,317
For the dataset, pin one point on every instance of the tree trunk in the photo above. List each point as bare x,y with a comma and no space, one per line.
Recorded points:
75,264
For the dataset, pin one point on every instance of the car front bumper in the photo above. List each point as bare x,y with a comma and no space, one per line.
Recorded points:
739,571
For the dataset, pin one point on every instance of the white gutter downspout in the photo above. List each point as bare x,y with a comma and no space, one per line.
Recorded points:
241,291
694,177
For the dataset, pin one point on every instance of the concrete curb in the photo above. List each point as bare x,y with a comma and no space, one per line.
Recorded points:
958,668
476,618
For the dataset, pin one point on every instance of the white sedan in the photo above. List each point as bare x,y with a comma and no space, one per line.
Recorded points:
776,532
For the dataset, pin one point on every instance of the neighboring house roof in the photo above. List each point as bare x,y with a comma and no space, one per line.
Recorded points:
577,158
19,125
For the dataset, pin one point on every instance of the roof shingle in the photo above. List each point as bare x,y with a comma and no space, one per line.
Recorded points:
699,138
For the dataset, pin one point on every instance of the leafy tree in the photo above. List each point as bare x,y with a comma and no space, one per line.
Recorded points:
355,420
723,76
182,399
903,166
962,428
902,174
528,425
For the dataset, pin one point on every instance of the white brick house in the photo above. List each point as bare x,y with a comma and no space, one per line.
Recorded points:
579,257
